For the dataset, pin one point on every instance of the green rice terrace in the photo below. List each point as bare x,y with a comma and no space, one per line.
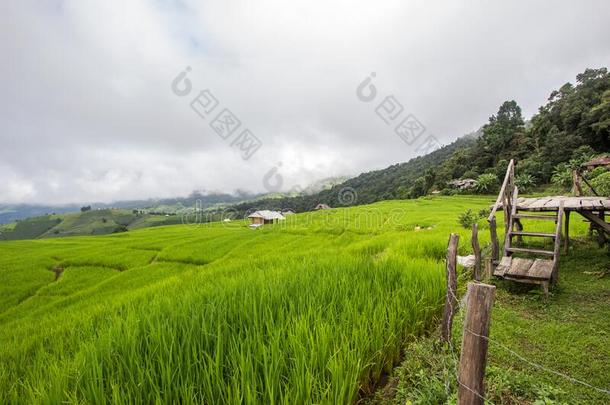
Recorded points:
335,306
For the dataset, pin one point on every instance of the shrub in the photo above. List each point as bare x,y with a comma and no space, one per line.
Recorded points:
598,171
487,183
601,184
484,212
467,219
562,176
525,181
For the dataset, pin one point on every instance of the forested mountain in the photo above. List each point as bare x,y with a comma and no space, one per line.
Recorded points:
572,126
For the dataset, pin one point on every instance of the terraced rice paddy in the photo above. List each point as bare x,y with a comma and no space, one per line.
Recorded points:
310,311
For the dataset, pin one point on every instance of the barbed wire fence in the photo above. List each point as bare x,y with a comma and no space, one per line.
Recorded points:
460,309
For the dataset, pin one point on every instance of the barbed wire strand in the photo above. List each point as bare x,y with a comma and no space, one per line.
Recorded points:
525,360
454,356
540,366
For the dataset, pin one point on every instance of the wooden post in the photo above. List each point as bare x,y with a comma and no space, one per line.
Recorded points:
495,244
576,187
477,252
601,237
488,269
451,297
471,390
519,227
566,241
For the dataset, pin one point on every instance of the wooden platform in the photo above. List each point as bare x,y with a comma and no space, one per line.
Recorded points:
569,203
524,269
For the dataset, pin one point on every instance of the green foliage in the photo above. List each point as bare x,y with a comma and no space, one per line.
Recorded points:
562,176
467,219
487,184
595,172
601,184
419,188
484,212
525,182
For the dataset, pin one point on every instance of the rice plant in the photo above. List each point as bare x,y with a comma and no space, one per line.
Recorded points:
314,310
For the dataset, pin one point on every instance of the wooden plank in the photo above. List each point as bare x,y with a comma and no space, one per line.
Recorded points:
526,280
541,270
533,251
510,172
519,267
527,216
596,220
524,203
495,244
539,204
552,203
555,276
536,234
503,266
566,240
570,203
509,228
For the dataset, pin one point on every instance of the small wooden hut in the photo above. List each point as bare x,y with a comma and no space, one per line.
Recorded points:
262,217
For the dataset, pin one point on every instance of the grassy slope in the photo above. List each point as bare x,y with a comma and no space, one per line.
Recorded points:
96,222
569,333
311,311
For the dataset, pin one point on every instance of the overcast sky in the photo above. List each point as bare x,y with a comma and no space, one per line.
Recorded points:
88,112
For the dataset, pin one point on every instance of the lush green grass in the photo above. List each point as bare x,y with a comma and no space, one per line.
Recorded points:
314,310
568,334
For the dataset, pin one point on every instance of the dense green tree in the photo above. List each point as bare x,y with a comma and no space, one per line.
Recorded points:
499,135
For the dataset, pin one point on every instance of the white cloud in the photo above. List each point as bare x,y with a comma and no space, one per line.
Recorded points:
86,112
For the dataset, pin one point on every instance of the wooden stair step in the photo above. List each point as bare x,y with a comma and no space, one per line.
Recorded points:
535,251
526,216
521,270
538,234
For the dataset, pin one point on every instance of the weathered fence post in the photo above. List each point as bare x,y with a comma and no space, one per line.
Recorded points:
566,241
488,269
473,358
477,252
451,298
495,244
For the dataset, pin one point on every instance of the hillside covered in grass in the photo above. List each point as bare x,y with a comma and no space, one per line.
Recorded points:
313,310
95,222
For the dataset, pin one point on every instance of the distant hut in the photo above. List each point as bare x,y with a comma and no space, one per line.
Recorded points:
600,161
463,184
322,207
287,212
577,174
262,217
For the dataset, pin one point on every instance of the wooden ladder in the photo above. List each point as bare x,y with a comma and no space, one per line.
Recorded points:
515,231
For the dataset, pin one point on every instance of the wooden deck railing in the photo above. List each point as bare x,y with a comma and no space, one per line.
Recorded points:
505,198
